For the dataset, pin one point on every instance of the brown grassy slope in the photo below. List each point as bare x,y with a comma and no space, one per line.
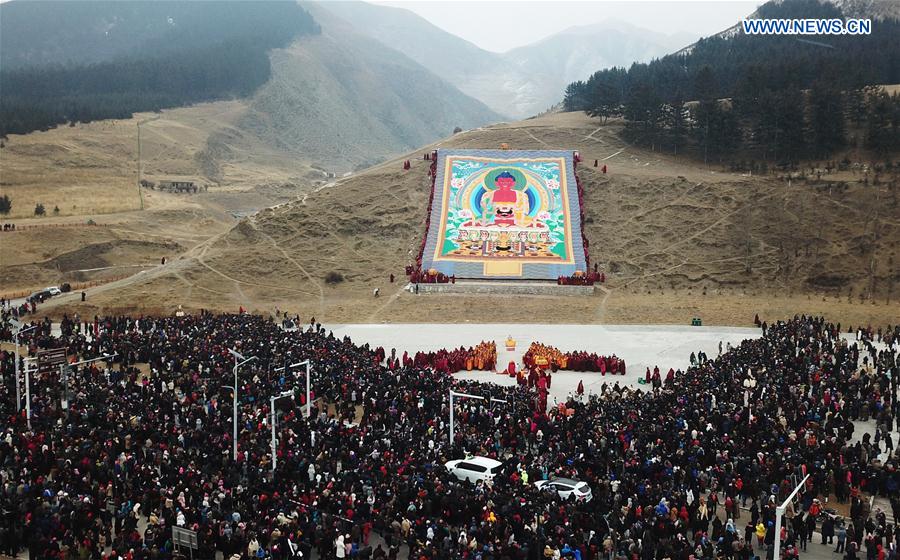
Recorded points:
91,169
90,172
703,243
54,250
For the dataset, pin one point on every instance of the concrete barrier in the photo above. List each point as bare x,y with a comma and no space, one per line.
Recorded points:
506,288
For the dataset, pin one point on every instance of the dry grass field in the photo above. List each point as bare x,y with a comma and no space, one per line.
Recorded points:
90,173
91,169
677,240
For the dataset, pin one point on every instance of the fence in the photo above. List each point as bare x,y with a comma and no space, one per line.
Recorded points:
76,286
28,227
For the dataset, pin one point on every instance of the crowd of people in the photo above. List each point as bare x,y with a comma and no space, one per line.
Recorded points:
28,306
146,444
545,356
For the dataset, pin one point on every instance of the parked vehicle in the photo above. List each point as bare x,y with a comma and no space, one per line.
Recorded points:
474,469
40,296
567,487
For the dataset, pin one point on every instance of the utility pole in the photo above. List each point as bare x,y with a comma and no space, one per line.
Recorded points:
272,400
465,396
64,371
140,176
237,356
28,390
140,157
779,512
63,375
286,368
18,388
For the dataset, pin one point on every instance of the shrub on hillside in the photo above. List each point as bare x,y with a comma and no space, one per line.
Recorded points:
5,204
39,209
334,278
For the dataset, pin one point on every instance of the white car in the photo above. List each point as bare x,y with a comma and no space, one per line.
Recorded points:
474,469
567,487
54,291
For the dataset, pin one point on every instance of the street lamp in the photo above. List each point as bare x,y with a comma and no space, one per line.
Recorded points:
64,368
28,362
237,356
465,396
779,512
272,400
308,377
18,389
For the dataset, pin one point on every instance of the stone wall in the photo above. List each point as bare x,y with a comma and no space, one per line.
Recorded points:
506,288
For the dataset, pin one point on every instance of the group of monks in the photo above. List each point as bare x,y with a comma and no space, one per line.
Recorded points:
545,356
482,357
417,269
419,276
588,279
535,377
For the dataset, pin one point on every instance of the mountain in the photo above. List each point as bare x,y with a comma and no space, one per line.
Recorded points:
82,62
878,10
788,98
346,101
315,89
519,83
577,52
60,32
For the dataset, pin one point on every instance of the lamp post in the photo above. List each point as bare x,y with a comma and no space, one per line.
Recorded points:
237,356
779,512
308,377
465,396
28,362
63,375
272,400
18,388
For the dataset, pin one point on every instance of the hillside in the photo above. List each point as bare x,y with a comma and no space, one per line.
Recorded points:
346,101
83,62
90,173
522,82
676,240
757,101
330,97
58,32
878,10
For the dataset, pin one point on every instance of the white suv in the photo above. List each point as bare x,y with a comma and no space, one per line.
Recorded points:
566,487
474,469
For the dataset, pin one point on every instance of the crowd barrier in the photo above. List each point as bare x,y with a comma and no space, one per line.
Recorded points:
28,227
76,286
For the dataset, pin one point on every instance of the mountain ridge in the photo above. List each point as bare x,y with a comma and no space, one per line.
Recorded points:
340,100
875,9
346,101
519,83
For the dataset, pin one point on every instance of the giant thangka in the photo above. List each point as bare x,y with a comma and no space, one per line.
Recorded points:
506,215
